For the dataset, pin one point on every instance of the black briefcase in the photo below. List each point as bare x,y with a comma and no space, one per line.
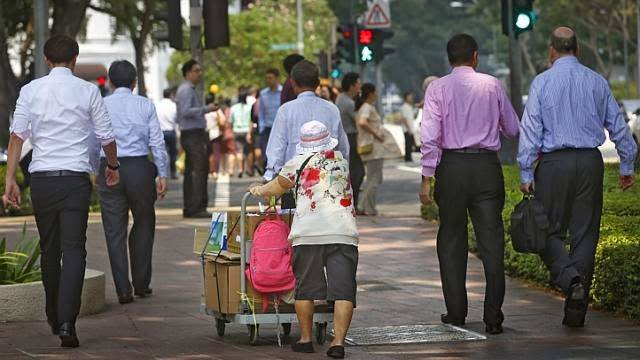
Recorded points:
529,226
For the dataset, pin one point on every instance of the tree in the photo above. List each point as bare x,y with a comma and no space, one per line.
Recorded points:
16,27
253,31
136,20
421,31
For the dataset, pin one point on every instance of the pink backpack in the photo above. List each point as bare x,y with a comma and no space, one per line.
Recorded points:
270,265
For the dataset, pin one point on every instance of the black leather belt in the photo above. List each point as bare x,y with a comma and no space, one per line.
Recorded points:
471,151
57,173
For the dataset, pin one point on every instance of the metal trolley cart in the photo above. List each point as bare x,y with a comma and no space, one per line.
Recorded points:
285,315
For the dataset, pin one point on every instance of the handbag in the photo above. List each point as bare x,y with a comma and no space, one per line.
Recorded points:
365,149
529,226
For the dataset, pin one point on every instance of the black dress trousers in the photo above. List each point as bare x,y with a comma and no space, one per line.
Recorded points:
196,146
569,185
471,184
136,192
61,207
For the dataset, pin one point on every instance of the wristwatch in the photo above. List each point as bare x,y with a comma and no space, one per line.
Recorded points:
112,167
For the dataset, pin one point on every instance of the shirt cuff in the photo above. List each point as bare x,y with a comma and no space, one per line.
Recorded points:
269,174
626,168
526,176
24,135
106,142
428,171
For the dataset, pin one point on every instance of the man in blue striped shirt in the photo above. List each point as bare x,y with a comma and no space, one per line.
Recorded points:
569,107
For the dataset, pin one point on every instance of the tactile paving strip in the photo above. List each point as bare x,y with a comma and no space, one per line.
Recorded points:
409,334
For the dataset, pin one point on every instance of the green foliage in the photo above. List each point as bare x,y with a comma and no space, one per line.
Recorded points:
616,281
20,266
253,32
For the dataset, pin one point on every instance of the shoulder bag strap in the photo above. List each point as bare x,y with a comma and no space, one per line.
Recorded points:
299,173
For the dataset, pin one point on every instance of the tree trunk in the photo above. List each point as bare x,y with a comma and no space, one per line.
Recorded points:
68,16
8,84
138,46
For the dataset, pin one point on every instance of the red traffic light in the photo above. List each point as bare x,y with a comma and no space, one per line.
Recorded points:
365,36
347,34
102,80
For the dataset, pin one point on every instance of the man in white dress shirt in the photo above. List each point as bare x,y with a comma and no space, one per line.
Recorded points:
168,117
137,131
61,113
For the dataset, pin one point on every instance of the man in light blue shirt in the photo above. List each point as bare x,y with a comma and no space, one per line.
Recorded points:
268,105
137,132
285,133
569,107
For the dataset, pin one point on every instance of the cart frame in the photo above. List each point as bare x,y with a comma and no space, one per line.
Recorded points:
253,321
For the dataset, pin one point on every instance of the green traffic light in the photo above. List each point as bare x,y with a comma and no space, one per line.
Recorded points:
366,54
336,73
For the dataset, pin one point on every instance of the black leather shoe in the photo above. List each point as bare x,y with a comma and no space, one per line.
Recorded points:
575,306
446,319
199,215
303,347
125,299
493,329
336,352
68,336
55,327
143,292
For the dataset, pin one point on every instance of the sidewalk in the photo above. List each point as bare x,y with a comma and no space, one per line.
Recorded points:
399,285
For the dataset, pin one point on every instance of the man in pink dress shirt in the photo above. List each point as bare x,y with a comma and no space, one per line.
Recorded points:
464,114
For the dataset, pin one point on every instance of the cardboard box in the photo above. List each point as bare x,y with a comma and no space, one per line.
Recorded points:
222,287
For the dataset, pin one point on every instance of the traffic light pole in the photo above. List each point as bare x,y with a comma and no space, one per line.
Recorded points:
195,19
510,146
41,27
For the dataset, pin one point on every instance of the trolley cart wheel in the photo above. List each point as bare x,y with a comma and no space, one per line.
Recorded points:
220,325
286,329
321,332
253,334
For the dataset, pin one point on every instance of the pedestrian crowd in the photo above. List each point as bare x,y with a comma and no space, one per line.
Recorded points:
322,151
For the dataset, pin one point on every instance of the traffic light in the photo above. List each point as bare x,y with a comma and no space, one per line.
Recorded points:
173,18
345,44
379,49
521,20
215,14
365,45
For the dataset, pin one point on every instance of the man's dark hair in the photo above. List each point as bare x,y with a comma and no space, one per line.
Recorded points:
349,80
290,61
460,49
166,93
273,71
563,44
306,74
122,73
186,67
61,49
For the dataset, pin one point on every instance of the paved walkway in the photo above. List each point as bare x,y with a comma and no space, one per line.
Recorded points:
399,285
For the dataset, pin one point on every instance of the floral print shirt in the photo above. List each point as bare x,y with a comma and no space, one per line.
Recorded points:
325,211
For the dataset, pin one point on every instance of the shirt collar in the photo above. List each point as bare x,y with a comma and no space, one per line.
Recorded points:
462,70
307,93
565,60
123,90
60,70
